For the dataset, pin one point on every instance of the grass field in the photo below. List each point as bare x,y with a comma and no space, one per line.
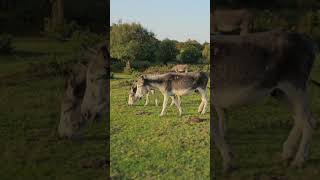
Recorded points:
143,145
29,116
146,146
256,134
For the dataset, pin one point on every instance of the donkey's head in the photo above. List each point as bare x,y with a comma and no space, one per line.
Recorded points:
95,98
133,90
142,87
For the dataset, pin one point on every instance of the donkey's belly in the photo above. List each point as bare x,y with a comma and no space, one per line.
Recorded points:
181,92
237,96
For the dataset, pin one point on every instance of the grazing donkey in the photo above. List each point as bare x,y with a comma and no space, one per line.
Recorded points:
96,99
133,90
85,94
175,84
180,68
252,66
74,88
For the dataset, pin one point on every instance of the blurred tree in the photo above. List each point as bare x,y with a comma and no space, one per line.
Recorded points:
25,17
167,51
57,15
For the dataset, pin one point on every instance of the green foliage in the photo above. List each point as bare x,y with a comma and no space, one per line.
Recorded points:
62,33
116,65
167,51
86,39
53,66
189,43
190,55
25,17
267,20
6,42
309,23
111,75
132,42
140,65
167,68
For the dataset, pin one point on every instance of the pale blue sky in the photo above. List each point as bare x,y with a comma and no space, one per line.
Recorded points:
173,19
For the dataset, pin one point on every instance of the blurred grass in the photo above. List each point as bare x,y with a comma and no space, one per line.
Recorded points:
29,116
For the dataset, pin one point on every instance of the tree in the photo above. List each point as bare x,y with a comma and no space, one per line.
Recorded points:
132,42
56,21
167,51
189,55
189,43
206,52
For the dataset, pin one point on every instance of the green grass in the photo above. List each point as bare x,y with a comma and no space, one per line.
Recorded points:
142,146
256,134
151,147
29,116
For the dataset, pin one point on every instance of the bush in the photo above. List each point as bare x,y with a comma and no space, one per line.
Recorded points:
164,69
140,65
86,38
116,65
135,73
62,33
50,67
6,46
111,75
190,55
158,69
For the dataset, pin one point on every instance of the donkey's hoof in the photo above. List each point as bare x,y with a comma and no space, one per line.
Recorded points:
298,164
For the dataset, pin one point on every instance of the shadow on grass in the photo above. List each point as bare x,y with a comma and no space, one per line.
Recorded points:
28,54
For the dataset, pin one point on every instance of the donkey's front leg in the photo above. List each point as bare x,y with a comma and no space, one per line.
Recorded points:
147,99
164,105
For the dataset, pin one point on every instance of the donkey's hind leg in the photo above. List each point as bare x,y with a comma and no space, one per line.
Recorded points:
172,101
155,97
204,101
177,103
303,127
165,103
222,120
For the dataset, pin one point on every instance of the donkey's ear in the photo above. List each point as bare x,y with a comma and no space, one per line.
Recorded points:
142,76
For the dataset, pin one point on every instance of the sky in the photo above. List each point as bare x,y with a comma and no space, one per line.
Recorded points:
174,19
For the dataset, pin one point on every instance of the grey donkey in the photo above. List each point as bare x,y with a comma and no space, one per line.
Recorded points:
248,67
175,84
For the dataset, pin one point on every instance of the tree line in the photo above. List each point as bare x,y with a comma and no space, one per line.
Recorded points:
25,17
131,43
